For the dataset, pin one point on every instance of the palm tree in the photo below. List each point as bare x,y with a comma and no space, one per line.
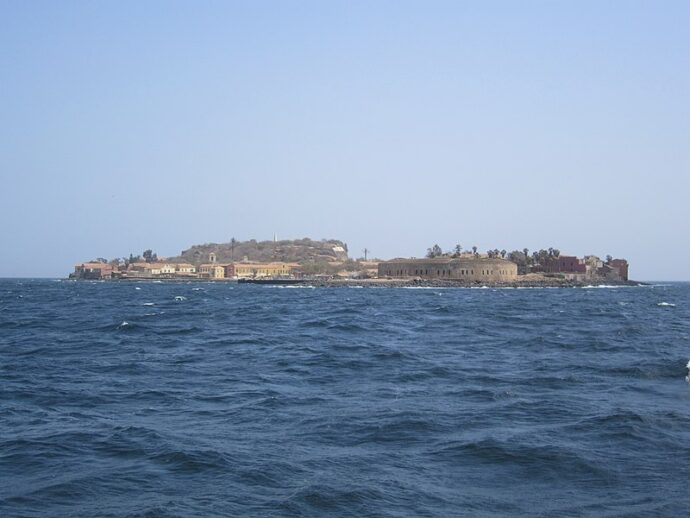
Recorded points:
458,249
474,250
233,241
503,254
434,251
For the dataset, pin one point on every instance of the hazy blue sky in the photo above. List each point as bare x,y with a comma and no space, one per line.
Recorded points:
391,125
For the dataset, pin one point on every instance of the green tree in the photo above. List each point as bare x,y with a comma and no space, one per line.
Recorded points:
434,251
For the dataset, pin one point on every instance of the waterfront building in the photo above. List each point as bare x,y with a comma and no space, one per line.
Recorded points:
588,268
185,269
212,271
470,269
246,270
621,266
565,264
92,270
168,269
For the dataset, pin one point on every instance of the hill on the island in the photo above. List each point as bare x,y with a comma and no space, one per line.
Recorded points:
294,251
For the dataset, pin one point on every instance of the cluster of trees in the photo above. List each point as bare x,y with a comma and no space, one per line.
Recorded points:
437,251
496,253
538,257
149,256
522,258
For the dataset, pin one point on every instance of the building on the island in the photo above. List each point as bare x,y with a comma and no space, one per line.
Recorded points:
621,266
212,271
185,269
168,269
565,264
588,268
246,270
592,265
470,269
93,271
613,270
143,270
340,253
136,270
154,269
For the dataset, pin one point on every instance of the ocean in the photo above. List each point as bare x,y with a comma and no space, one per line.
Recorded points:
202,399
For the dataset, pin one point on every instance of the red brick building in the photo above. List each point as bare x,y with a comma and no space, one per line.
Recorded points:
565,264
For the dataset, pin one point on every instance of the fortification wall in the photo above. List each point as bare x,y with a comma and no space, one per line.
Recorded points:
466,269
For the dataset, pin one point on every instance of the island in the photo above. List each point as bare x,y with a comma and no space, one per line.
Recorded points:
326,263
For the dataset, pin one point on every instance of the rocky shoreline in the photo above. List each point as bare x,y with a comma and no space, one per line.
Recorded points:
403,283
426,283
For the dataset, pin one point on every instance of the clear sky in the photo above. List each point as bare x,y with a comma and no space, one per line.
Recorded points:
390,125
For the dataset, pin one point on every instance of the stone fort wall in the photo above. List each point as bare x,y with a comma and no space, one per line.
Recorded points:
479,269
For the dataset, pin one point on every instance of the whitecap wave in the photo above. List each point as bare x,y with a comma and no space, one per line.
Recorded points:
666,305
425,287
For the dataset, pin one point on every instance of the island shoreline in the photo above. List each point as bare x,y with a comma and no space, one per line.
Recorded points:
388,283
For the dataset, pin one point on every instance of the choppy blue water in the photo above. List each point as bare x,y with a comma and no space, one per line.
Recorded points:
118,400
